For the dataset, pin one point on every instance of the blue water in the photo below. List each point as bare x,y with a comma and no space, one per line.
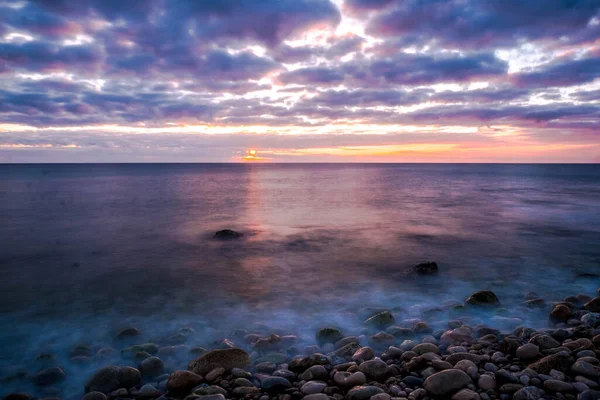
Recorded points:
88,249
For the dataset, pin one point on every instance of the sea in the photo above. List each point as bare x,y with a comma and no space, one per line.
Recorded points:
89,249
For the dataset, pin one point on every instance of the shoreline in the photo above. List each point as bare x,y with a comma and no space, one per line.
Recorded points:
387,358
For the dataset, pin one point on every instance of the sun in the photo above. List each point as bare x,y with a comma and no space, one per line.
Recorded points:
251,155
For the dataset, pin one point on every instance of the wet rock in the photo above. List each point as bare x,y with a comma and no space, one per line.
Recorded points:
483,298
400,332
328,335
209,390
528,351
591,319
454,358
301,364
49,376
363,392
381,320
560,313
227,234
363,354
586,369
216,396
317,396
426,268
375,369
348,379
182,382
152,366
423,348
226,358
593,305
487,382
245,391
459,335
346,352
275,384
560,361
264,367
214,374
446,382
382,339
313,387
421,327
316,372
554,385
544,342
466,394
113,377
148,392
94,396
128,333
527,393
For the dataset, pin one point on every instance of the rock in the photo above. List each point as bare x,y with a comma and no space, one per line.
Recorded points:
348,379
209,390
94,396
381,396
301,364
527,393
466,394
486,382
148,392
313,387
346,352
559,361
328,335
214,374
456,357
544,342
113,377
275,384
316,372
591,319
421,327
49,376
182,382
317,396
382,339
381,320
152,366
226,358
446,382
528,351
457,336
375,369
554,385
245,391
560,313
363,392
423,348
509,388
128,333
363,354
400,332
593,305
426,268
216,396
483,298
586,369
227,234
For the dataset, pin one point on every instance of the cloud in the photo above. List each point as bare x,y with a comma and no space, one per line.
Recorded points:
311,76
560,72
475,23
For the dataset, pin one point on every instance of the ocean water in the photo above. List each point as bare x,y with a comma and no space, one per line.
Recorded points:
86,250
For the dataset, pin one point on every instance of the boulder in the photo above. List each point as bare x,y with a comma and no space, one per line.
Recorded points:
113,377
225,358
593,305
227,234
426,268
483,298
446,382
381,320
182,382
560,361
560,313
363,392
152,366
49,376
328,335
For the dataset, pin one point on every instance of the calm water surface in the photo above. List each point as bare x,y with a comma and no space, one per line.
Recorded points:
87,249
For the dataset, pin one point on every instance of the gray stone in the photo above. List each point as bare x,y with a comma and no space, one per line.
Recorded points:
275,384
225,358
113,377
348,379
152,366
363,392
528,393
586,369
554,385
313,387
446,382
528,351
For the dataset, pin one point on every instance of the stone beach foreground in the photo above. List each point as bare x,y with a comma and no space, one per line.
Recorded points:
390,358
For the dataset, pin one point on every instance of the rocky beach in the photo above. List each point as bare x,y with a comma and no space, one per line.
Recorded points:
387,358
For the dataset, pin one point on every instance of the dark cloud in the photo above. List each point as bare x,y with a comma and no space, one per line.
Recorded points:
475,23
37,56
560,73
311,76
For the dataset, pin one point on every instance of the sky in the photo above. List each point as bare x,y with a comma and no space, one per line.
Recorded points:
300,81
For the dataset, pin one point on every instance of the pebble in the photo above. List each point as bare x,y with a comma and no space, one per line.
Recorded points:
554,385
445,382
363,392
313,387
528,351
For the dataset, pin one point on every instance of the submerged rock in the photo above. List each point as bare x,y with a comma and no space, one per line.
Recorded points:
112,378
226,358
128,333
426,268
328,335
49,376
483,298
226,234
381,320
